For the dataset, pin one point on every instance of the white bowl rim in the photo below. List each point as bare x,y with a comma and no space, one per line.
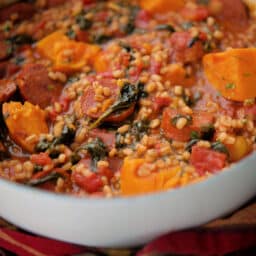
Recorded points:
128,199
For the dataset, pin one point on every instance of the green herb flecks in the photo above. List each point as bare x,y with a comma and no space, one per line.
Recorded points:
230,86
49,177
97,150
220,147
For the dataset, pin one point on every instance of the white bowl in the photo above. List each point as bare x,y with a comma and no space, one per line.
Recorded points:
125,222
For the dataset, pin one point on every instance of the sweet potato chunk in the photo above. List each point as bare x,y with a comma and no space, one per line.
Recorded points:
161,5
134,184
232,73
67,55
23,121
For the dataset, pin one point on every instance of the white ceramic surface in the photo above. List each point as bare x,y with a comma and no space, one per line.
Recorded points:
124,222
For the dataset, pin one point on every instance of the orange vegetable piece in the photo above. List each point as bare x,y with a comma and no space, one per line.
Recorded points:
46,46
232,73
67,55
161,6
176,74
72,56
132,184
239,149
23,121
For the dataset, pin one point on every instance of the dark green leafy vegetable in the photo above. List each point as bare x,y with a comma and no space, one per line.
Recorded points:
203,2
207,132
97,150
127,47
218,146
38,168
187,25
139,128
71,33
75,158
166,27
129,27
194,135
67,136
82,22
100,39
192,42
190,144
21,39
49,177
128,96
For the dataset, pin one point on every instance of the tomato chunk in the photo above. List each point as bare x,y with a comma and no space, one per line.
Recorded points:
90,184
41,159
207,160
181,49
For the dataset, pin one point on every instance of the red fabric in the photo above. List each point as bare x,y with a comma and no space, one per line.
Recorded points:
202,243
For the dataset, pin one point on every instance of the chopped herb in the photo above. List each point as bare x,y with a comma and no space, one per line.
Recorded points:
192,42
75,158
50,87
71,33
247,74
207,132
83,23
128,96
194,135
166,27
100,39
98,151
187,25
127,47
220,147
49,177
72,79
129,27
21,39
18,60
38,168
230,86
203,2
190,144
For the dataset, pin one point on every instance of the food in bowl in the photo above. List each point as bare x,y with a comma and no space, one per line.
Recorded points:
121,98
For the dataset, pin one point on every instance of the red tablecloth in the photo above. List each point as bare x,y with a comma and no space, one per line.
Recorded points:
233,233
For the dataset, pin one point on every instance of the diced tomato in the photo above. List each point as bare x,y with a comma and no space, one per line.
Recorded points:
195,14
182,51
106,172
90,184
155,67
115,163
161,102
142,19
82,35
204,159
64,102
199,120
107,137
41,159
